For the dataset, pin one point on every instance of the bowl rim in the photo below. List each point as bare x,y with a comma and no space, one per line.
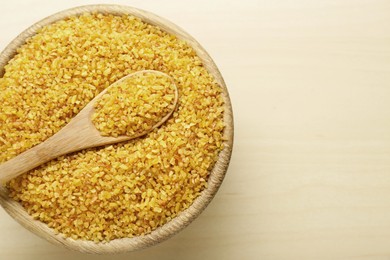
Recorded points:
183,219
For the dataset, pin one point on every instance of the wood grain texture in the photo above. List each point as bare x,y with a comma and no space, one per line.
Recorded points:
310,172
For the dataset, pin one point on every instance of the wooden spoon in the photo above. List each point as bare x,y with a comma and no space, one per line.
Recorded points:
80,133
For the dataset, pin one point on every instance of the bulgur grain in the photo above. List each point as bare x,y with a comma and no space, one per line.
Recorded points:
121,190
134,105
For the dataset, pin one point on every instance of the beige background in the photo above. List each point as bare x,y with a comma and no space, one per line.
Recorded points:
310,172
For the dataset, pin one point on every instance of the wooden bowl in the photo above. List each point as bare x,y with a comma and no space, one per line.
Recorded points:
184,218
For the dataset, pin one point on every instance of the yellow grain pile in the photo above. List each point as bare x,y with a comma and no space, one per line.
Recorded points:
121,190
134,105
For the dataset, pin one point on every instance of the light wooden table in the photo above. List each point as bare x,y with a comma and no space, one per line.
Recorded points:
310,172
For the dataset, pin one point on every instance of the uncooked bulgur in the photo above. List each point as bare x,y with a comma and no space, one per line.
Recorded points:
121,190
134,105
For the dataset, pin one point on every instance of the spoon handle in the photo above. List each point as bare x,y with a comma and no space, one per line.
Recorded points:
24,162
59,144
77,135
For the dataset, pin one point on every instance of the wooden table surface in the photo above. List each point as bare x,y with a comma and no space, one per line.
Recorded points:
310,172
